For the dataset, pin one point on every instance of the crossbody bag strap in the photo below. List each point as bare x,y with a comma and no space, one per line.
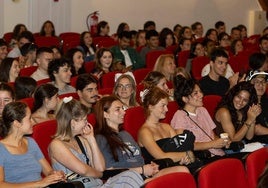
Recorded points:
188,115
81,147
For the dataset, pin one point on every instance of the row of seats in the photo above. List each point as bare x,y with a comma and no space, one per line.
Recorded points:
219,174
107,80
65,40
222,173
131,122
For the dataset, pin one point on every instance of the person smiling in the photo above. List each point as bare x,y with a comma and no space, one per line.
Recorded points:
125,90
9,69
215,83
104,61
236,113
194,117
60,73
21,160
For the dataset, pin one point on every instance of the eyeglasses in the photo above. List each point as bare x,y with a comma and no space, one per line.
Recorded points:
258,83
127,86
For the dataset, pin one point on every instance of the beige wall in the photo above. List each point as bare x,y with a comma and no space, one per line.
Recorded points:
70,15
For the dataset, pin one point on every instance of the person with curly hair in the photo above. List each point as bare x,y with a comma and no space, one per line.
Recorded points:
237,111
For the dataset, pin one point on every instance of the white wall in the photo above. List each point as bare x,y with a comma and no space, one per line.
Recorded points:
70,15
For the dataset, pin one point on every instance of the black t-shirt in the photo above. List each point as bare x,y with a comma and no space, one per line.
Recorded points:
212,87
263,117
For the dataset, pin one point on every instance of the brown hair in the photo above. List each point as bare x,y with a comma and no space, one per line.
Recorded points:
64,114
102,128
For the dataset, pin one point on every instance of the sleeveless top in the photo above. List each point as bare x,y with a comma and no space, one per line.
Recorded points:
179,143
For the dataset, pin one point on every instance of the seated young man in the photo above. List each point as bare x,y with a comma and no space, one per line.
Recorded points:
60,73
152,40
215,83
44,56
125,55
87,90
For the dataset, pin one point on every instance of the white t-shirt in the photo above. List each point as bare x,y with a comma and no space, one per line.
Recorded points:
229,71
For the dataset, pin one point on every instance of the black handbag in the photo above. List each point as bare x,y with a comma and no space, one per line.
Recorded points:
179,143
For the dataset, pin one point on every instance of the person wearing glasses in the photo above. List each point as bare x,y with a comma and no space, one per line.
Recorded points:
125,90
258,76
259,80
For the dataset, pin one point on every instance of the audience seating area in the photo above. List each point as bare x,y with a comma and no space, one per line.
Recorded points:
223,173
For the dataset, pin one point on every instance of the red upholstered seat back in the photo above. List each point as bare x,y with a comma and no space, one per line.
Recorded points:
172,108
29,101
210,103
198,64
173,180
42,134
134,119
28,71
223,173
255,164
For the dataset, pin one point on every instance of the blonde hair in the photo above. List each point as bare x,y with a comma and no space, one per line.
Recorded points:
65,112
182,71
160,64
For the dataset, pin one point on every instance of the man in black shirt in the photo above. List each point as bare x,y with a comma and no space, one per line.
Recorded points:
215,83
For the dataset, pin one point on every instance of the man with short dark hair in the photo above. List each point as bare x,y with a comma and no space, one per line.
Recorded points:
149,25
87,90
197,29
263,44
152,43
235,33
44,55
215,83
220,27
127,57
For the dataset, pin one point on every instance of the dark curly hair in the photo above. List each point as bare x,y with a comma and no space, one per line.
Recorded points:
54,66
183,88
227,101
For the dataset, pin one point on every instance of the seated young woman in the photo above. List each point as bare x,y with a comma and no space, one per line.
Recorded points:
21,160
68,156
125,90
154,136
236,113
194,117
45,101
156,79
118,147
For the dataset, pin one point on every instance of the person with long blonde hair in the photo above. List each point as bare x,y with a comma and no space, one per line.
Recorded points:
166,65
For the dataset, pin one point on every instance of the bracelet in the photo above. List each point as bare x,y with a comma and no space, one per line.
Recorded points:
249,124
